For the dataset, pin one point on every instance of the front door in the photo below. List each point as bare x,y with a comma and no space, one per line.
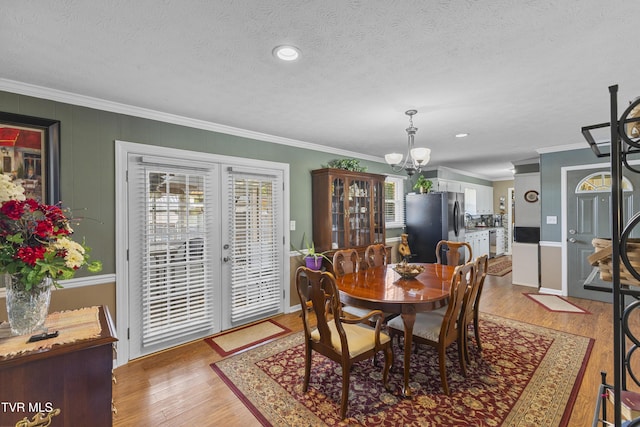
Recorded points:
588,217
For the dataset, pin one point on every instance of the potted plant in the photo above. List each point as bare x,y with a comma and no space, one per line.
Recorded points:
423,184
347,164
312,259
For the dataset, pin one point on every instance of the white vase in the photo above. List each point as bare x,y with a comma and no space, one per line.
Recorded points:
27,310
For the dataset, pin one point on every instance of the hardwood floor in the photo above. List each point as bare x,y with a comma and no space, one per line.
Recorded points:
178,388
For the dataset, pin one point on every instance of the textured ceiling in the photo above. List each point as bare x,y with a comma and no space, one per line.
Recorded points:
517,76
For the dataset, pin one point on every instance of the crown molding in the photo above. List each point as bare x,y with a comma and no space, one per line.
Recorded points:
145,113
458,171
566,147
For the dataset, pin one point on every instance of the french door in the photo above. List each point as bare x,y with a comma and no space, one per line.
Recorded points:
252,242
172,291
206,249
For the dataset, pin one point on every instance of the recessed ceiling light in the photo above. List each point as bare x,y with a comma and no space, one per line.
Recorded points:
461,135
286,53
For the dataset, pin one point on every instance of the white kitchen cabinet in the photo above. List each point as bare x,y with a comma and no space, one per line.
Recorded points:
454,186
500,242
484,200
446,185
483,244
470,201
470,238
479,242
478,199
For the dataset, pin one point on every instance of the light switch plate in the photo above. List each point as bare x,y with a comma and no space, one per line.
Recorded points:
552,219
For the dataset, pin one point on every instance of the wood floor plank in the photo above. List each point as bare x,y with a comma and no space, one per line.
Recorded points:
178,388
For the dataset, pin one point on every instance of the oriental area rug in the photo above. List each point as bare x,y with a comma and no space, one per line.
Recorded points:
527,375
499,266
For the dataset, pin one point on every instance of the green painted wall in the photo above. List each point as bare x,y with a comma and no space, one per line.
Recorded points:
550,180
87,177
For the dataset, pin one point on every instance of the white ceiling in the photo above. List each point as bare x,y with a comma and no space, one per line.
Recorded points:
518,76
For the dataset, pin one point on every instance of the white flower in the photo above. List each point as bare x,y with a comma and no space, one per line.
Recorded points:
9,190
74,257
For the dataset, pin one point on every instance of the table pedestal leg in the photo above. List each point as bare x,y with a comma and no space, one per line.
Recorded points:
408,318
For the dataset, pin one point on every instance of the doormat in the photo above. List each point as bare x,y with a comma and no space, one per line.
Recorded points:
499,266
526,375
246,337
556,303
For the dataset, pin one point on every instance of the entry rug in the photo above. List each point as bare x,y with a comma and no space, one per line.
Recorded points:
556,303
527,375
246,337
499,266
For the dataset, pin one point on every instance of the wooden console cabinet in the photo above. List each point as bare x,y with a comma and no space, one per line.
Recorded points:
70,383
348,209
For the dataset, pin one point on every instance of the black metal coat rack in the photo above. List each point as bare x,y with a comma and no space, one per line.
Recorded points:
621,150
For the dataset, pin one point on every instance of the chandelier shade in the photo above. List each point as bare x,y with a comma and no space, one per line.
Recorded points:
393,158
417,157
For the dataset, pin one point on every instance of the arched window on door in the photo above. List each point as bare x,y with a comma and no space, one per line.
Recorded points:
600,182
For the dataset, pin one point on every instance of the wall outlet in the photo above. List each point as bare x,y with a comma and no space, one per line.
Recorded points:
552,219
292,225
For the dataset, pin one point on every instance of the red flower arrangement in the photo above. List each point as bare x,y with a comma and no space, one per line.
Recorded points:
35,243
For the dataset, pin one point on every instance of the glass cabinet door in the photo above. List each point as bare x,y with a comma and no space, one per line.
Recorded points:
377,200
338,212
359,214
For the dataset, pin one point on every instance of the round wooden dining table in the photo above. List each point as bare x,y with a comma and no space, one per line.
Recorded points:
381,288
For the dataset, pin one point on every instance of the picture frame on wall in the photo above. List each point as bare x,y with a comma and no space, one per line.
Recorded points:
30,154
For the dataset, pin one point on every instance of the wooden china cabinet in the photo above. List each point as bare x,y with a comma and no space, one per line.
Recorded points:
348,210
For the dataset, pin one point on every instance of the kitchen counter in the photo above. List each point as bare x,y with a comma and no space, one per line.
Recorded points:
473,229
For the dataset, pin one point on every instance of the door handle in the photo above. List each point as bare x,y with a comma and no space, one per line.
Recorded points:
456,215
572,240
226,259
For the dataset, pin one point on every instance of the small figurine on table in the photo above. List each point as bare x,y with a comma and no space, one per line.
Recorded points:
403,247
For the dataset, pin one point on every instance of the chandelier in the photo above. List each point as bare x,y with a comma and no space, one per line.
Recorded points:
416,157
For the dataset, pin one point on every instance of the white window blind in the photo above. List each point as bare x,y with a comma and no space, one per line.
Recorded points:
176,284
256,244
394,202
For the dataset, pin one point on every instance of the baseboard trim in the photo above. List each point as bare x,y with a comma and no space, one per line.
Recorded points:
550,291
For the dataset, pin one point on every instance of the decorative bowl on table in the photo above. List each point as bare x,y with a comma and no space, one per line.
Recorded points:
408,271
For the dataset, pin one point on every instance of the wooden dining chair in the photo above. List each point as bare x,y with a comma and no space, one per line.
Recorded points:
345,341
471,305
347,261
452,250
440,331
376,255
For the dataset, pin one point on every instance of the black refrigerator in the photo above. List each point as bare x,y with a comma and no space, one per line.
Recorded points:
432,217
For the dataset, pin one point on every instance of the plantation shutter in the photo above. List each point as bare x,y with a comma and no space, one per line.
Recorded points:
176,284
394,210
256,239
